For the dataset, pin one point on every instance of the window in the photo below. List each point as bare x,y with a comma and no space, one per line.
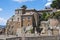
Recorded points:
12,27
12,19
23,18
28,24
16,12
18,19
29,18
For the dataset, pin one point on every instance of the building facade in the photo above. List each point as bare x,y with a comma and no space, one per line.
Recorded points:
23,19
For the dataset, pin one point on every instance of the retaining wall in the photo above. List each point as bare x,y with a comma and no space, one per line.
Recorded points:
34,38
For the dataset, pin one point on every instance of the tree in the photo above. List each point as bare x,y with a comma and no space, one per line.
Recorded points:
56,4
24,6
45,16
55,15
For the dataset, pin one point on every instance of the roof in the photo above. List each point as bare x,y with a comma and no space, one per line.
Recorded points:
28,14
32,9
45,10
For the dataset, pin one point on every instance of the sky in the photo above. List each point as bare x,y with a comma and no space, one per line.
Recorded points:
7,7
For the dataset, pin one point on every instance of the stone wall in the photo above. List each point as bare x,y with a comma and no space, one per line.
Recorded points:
16,38
34,38
50,27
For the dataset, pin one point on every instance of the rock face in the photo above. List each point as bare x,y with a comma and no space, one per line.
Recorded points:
50,27
54,22
55,26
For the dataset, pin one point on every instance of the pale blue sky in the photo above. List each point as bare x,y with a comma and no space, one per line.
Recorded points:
7,7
